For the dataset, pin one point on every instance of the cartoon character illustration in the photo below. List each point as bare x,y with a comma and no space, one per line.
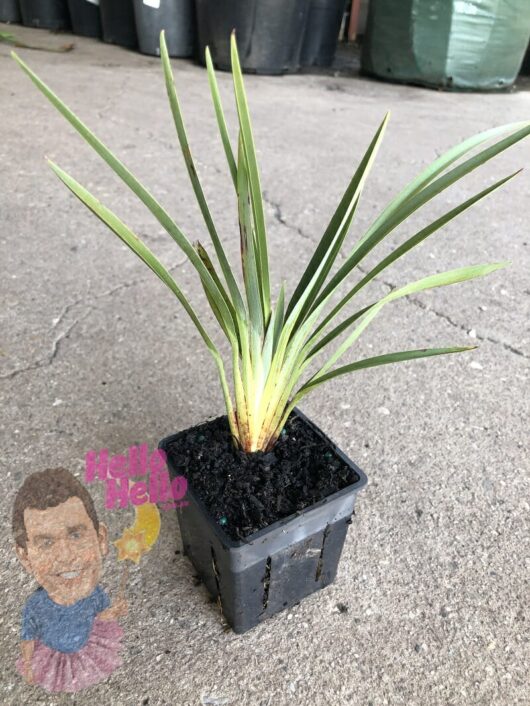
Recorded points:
70,635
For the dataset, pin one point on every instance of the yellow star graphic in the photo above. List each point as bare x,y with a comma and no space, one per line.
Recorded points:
131,545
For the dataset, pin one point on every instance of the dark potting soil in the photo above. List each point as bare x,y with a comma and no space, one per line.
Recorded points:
247,492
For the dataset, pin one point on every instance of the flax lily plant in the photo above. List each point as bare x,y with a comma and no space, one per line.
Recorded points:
273,344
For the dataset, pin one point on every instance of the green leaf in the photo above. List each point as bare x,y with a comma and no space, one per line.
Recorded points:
273,331
194,178
380,360
262,257
248,258
337,331
268,343
280,315
248,255
203,254
341,219
219,113
321,270
253,375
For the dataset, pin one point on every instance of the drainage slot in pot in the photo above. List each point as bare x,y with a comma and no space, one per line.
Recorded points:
321,557
217,583
266,583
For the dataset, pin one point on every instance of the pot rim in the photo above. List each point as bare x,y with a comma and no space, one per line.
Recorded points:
261,534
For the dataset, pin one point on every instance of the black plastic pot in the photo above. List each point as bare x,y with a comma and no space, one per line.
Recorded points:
176,17
85,16
269,32
276,567
117,22
48,14
9,11
322,32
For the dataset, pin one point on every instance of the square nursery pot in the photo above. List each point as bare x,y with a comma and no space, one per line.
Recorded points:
276,567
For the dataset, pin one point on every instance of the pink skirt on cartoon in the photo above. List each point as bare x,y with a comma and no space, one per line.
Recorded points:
73,671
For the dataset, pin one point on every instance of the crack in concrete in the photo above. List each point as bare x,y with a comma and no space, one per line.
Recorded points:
52,355
89,305
463,327
389,285
64,311
134,282
278,215
452,322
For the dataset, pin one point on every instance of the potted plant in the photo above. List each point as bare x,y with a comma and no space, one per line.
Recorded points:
270,496
117,22
85,16
452,44
9,11
269,32
176,17
48,14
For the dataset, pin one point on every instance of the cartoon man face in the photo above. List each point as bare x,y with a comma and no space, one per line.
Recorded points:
64,551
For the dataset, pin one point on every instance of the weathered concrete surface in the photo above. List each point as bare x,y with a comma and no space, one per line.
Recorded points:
96,353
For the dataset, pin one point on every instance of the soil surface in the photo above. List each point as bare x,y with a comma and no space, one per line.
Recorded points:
247,492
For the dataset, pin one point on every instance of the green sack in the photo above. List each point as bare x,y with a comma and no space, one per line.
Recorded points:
465,44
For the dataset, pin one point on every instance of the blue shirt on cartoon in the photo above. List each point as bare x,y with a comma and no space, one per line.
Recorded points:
64,628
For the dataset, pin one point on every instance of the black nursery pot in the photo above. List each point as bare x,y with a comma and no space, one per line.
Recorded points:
9,11
269,33
117,22
85,16
276,567
176,17
48,14
322,32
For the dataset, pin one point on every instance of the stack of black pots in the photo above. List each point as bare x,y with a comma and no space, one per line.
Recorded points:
273,36
129,23
48,14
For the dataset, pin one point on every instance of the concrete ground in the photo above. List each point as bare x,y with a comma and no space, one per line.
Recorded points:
96,353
